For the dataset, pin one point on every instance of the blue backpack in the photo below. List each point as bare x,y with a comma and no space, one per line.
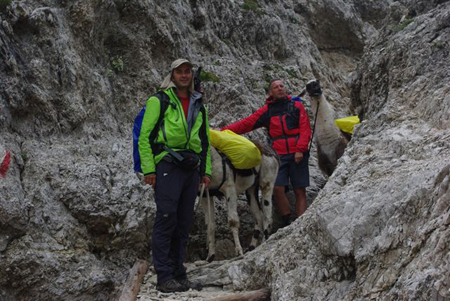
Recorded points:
296,98
164,102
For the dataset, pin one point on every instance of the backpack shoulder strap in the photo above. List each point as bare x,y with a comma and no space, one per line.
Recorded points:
164,101
163,98
291,105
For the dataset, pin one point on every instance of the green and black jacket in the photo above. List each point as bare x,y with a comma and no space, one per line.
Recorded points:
176,132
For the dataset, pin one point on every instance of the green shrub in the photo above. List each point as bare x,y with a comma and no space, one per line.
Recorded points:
110,73
438,45
291,73
272,67
209,77
5,2
227,42
117,63
405,23
276,66
294,20
250,5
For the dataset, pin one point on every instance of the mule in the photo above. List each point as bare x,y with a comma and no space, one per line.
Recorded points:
231,183
331,143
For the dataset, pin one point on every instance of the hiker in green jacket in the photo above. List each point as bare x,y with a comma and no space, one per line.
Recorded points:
174,164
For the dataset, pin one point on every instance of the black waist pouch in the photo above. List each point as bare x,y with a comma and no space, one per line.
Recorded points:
185,159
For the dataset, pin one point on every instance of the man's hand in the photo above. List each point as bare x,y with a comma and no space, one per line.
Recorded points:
206,180
298,157
150,180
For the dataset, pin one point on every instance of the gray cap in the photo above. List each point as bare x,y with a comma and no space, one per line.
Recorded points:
179,62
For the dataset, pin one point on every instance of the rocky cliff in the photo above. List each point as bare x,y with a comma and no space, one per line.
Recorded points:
73,215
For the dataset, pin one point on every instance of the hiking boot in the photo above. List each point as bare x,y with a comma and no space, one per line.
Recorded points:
171,286
190,284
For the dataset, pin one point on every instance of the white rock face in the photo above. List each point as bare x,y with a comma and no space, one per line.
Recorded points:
379,228
74,217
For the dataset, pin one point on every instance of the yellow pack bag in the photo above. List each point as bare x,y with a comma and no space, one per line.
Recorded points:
346,124
242,153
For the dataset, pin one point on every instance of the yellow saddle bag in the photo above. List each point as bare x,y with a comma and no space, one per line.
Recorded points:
242,153
346,124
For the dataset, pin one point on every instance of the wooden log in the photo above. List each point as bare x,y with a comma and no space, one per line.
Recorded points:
259,295
134,280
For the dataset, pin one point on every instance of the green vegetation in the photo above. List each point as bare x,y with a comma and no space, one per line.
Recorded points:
267,79
294,20
117,63
250,5
110,73
209,77
253,83
5,2
438,44
272,67
405,23
227,42
23,154
291,73
276,67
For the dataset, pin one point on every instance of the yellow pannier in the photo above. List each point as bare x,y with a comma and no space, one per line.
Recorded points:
346,124
242,153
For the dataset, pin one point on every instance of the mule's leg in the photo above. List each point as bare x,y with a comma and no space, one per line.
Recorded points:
266,207
233,217
253,199
267,177
208,210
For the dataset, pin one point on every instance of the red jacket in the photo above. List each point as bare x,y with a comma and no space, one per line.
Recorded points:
287,121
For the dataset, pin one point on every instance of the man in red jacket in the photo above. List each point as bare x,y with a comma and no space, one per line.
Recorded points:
290,132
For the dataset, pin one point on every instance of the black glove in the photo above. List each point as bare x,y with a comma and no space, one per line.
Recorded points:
313,88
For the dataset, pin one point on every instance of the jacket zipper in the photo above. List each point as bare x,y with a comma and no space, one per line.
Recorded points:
180,111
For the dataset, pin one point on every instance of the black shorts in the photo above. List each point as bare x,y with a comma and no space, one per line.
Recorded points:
297,173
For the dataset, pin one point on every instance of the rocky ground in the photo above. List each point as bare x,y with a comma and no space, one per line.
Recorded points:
148,290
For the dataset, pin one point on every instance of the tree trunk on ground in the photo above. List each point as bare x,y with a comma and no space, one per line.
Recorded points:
132,285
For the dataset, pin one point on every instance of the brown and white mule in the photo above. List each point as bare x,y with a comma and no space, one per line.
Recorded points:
231,184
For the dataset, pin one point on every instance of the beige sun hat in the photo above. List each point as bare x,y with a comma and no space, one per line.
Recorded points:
168,83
